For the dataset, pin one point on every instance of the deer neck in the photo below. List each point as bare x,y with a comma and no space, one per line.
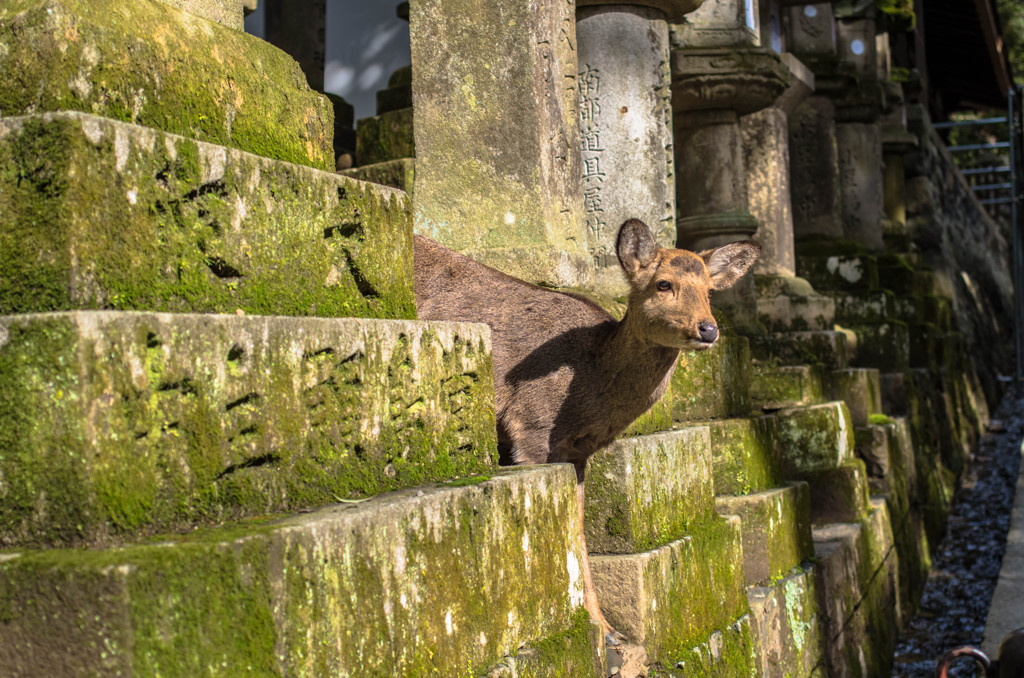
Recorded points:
634,364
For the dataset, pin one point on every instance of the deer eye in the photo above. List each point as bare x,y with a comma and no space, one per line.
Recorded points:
664,285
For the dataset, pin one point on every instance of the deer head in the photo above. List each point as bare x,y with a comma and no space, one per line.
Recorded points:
670,289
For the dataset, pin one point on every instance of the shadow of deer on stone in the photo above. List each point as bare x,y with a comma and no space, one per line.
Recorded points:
568,377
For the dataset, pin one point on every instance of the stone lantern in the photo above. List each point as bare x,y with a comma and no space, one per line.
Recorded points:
626,123
843,53
719,75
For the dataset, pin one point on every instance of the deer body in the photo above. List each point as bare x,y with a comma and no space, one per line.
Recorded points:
568,377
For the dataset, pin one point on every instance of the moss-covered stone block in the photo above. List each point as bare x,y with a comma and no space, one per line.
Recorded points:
839,271
430,581
400,174
829,348
673,598
773,387
859,388
786,621
578,652
859,594
744,455
924,349
790,304
905,513
729,651
149,63
100,214
872,447
885,346
227,12
647,491
388,136
114,424
776,527
838,495
712,384
866,307
813,438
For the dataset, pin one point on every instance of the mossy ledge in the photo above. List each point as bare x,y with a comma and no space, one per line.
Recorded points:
429,581
100,214
143,62
117,424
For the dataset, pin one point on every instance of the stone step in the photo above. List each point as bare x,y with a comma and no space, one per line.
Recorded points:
400,174
712,384
885,346
144,220
776,527
860,591
428,581
186,75
926,308
647,491
773,387
115,424
745,458
789,304
859,388
830,348
866,306
846,272
815,438
675,599
888,451
838,495
786,621
384,137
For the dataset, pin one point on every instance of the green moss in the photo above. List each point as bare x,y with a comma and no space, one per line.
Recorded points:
134,423
469,480
879,419
151,230
385,137
744,456
140,62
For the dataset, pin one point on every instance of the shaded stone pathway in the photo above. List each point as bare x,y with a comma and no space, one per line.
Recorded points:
958,594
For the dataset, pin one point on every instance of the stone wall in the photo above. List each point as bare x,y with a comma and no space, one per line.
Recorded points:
957,238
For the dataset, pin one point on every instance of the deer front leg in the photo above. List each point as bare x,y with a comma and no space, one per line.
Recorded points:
612,637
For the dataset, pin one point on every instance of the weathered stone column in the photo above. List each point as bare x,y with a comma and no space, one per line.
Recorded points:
766,158
498,173
814,156
712,88
299,27
625,125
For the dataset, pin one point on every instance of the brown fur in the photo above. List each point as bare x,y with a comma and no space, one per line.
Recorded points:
568,377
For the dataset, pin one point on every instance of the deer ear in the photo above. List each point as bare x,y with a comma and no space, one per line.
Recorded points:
635,247
728,263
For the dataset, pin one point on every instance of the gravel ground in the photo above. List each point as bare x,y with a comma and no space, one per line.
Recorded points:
956,598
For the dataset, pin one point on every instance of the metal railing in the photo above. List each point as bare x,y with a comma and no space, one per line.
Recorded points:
993,193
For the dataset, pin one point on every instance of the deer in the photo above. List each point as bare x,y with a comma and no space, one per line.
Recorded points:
568,377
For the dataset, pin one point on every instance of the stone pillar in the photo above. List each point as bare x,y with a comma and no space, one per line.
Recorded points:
299,27
843,55
767,162
625,128
498,172
712,87
814,170
858,135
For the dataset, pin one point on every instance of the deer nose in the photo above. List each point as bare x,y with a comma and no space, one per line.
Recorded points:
708,331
